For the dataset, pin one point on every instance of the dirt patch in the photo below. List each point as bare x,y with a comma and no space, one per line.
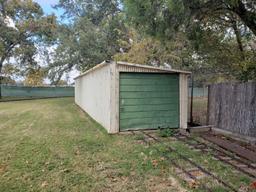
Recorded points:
117,182
157,184
3,168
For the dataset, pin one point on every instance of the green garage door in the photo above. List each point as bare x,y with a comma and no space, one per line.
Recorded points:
149,101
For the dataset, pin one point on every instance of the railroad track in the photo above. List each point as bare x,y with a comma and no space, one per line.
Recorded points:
241,164
182,158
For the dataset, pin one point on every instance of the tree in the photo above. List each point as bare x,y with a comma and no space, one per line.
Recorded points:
151,51
81,45
22,26
245,10
8,80
164,16
62,83
96,33
35,76
8,74
219,32
96,10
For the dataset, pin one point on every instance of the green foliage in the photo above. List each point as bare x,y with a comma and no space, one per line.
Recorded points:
152,51
35,76
8,74
158,18
7,80
23,29
139,137
217,37
209,38
62,83
166,132
80,45
96,33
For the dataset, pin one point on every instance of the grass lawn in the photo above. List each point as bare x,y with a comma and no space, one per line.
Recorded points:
51,145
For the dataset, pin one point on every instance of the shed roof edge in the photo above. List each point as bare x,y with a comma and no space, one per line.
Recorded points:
104,63
152,67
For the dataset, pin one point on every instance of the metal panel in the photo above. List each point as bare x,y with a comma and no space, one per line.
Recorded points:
149,100
93,94
132,67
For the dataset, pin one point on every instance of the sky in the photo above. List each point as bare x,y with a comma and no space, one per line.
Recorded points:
47,7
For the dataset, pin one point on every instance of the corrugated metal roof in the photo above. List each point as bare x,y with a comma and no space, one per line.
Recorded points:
151,68
132,67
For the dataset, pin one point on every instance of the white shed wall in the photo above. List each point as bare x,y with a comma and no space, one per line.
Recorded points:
92,94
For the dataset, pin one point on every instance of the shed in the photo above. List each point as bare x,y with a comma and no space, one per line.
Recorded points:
123,96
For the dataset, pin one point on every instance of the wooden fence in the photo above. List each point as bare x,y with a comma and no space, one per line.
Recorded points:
232,107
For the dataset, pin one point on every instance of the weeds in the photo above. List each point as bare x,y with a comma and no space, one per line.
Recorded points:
166,132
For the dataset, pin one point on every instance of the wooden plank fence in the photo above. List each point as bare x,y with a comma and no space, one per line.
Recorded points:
232,107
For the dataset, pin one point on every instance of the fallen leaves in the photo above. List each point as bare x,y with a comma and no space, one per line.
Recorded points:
3,168
253,185
154,162
197,173
158,183
193,184
77,152
47,163
44,184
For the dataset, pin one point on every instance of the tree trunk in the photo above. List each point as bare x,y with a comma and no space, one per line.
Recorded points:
246,16
1,66
238,39
5,55
1,75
